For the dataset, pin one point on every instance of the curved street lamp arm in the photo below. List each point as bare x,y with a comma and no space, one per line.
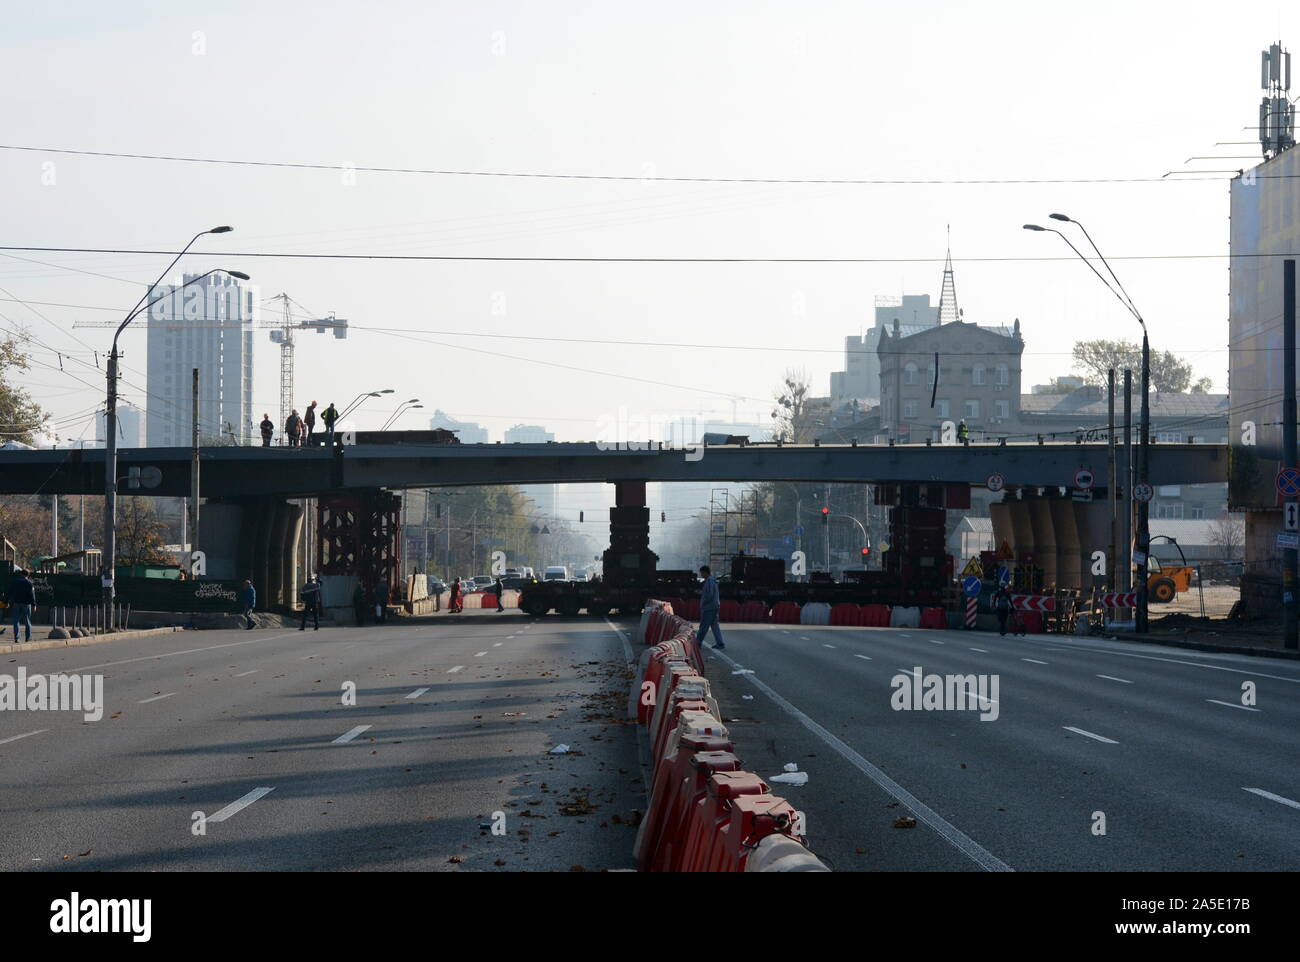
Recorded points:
134,310
1131,306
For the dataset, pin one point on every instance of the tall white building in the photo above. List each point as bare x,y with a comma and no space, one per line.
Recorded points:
528,434
466,431
206,326
130,427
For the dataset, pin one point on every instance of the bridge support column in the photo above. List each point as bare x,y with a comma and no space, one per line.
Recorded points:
360,535
629,560
269,529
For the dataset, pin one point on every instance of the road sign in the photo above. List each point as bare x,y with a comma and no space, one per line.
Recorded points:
798,529
1118,599
1004,575
787,540
1083,479
1034,602
1288,540
1084,495
1291,516
1288,482
995,482
1004,550
971,585
1143,492
973,568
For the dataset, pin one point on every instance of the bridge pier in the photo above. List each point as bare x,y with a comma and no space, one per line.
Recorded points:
629,561
1057,532
359,535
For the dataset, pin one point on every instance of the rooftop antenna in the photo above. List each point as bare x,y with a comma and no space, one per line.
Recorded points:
1276,112
948,312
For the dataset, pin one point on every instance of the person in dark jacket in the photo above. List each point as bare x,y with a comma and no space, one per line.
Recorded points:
309,420
327,418
1002,607
496,586
454,605
311,603
710,605
359,604
248,597
268,429
382,595
293,428
22,599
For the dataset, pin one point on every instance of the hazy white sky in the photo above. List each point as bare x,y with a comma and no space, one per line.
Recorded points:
915,91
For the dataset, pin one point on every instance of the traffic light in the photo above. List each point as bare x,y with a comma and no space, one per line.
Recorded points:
826,515
580,514
663,517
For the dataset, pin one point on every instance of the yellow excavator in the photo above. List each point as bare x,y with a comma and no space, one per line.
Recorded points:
1165,582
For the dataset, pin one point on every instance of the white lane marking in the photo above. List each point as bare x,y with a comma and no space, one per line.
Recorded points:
954,836
1180,661
145,701
172,654
497,645
1034,660
1123,681
237,806
452,671
14,738
349,735
804,638
1275,798
243,673
479,654
972,693
417,693
934,642
828,646
863,657
1228,704
981,650
1100,738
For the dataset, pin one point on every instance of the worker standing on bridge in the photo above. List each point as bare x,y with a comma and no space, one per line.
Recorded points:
327,418
293,428
309,421
709,605
963,432
268,428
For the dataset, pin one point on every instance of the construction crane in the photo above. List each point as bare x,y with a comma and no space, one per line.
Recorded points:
282,333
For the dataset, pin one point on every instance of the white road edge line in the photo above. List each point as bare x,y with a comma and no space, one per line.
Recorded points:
244,673
14,738
1271,797
145,701
349,735
1228,704
1100,738
452,671
1123,681
237,806
417,693
172,654
950,833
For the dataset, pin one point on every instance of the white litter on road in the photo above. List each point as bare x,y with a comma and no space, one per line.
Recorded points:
747,697
559,750
790,778
743,671
790,767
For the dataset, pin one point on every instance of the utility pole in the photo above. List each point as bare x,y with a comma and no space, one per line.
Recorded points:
1126,517
54,529
194,467
1290,636
1144,476
1113,566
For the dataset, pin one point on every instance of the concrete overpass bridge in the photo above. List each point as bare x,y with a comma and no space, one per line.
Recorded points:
253,525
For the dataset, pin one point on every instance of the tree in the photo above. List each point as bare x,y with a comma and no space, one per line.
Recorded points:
140,534
1169,373
21,418
1228,535
793,418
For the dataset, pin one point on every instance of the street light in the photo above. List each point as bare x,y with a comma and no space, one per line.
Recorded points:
360,399
402,409
1143,530
110,407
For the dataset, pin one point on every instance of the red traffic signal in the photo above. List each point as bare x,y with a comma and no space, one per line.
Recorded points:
826,510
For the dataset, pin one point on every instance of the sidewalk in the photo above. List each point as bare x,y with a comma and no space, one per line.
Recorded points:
1262,639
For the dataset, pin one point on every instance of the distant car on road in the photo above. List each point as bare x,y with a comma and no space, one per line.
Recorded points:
582,575
555,573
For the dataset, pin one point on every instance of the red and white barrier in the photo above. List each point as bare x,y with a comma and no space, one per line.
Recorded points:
1119,599
1034,602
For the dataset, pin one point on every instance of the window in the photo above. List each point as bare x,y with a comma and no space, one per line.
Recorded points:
972,409
977,375
909,373
943,409
1002,409
909,409
1198,513
1168,511
1004,376
1168,437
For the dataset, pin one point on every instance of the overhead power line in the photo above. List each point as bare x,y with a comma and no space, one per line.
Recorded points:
623,178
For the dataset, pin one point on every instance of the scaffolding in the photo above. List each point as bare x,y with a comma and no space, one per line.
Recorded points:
733,525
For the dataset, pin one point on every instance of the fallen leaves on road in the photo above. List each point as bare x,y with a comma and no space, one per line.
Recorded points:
904,821
456,859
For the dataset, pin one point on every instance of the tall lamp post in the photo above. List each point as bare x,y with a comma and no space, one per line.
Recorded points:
110,410
402,409
361,399
1143,534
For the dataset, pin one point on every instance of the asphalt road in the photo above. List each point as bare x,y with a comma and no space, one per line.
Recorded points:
453,721
1154,739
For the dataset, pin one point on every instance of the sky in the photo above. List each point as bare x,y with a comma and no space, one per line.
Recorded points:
925,91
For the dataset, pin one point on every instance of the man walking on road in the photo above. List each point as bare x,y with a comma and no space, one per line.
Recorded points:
309,420
311,603
1002,607
249,599
22,599
359,603
268,428
709,605
496,586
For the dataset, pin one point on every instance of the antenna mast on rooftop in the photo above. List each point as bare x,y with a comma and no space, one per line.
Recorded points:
1276,112
948,312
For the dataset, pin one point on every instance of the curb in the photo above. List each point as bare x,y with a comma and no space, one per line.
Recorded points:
11,649
1203,646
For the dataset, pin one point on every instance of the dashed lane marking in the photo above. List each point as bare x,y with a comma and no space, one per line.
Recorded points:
1100,738
347,736
237,806
145,701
